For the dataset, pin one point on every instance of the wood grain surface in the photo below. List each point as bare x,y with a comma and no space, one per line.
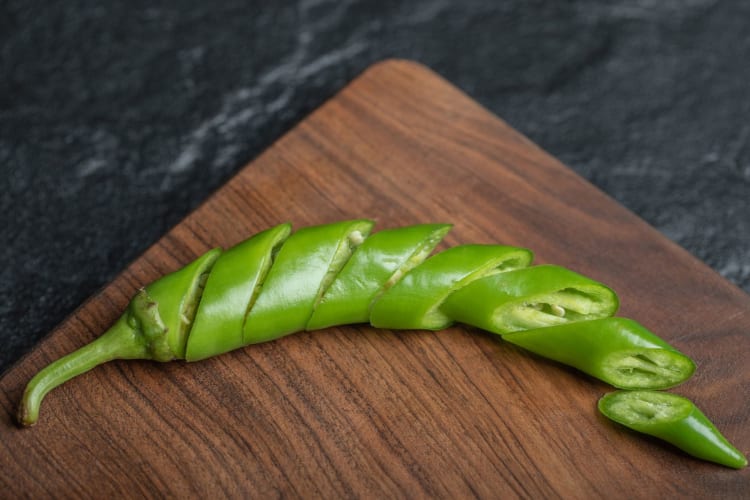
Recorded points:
360,412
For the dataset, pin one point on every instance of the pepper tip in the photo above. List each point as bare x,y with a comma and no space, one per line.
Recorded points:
26,416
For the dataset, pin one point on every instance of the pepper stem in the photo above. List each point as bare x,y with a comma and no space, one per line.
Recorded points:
122,341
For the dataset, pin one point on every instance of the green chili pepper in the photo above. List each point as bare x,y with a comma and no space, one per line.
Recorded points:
274,284
530,298
674,419
618,351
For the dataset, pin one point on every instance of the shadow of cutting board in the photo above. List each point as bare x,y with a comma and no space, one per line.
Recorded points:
356,411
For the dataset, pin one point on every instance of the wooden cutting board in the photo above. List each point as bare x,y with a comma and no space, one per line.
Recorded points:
356,411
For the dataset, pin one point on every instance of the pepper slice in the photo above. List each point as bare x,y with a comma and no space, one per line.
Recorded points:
414,301
529,298
177,296
374,266
305,266
618,351
230,290
674,419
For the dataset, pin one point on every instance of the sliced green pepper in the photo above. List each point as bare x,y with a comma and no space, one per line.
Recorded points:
375,265
231,287
414,302
674,419
528,298
618,351
274,284
302,270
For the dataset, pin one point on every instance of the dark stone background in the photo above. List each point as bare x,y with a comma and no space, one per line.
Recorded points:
118,117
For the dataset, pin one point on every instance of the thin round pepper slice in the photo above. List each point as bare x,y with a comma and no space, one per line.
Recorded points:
674,419
414,302
304,267
230,289
618,351
528,298
374,266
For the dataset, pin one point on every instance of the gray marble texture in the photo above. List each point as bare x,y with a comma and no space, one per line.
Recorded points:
119,117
